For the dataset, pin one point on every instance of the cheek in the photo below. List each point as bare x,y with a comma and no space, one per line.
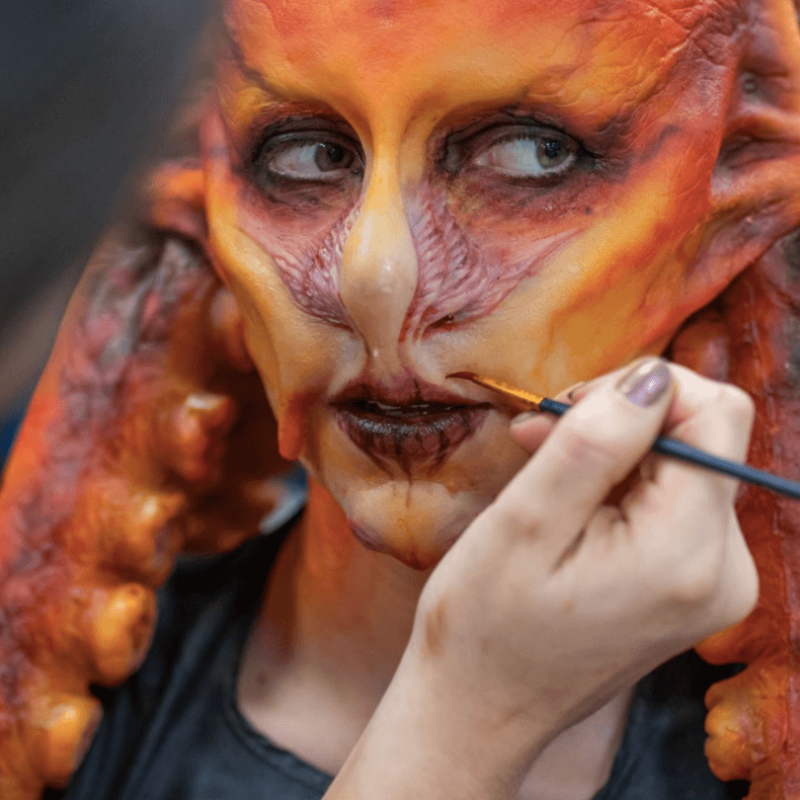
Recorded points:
467,263
288,352
596,289
305,244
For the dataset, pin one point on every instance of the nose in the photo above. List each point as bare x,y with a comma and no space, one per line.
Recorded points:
379,265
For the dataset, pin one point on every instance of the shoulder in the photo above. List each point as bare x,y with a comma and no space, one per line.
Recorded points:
662,756
150,722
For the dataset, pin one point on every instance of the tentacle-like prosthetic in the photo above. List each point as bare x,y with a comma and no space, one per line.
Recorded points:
147,435
751,337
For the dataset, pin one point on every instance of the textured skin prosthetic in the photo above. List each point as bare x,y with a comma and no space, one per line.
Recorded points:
750,336
149,435
133,450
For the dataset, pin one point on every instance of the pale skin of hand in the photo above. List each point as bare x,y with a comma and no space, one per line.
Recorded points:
553,602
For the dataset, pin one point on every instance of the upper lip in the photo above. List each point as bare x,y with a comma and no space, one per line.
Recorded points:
404,394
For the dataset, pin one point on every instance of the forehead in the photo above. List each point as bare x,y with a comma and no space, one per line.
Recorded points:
354,51
372,25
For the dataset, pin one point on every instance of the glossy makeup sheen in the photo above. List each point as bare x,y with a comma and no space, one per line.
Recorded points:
421,250
415,426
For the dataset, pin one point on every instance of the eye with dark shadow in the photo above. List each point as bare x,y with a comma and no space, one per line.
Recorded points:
521,152
321,160
303,162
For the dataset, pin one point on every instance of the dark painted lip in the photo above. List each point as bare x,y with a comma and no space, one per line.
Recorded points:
422,412
413,437
402,391
407,422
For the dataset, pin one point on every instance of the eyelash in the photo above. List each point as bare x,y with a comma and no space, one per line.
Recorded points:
469,142
465,145
282,137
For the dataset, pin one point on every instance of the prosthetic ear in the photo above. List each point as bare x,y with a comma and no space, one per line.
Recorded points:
750,336
176,206
176,200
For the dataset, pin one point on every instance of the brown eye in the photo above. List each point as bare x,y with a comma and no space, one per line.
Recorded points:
529,154
301,159
329,157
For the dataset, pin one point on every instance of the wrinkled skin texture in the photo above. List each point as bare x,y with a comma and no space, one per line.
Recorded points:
749,336
690,246
134,448
351,273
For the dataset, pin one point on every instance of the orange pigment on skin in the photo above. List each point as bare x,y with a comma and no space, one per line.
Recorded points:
684,194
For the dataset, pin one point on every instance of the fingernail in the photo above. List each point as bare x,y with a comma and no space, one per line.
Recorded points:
646,382
570,393
526,416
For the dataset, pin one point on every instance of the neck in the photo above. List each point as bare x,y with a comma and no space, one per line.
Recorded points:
353,608
333,626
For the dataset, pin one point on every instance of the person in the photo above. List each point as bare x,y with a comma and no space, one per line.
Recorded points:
392,193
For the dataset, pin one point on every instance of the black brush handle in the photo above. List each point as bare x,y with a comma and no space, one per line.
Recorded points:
675,449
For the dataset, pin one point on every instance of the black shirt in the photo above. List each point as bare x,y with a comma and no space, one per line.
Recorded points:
174,732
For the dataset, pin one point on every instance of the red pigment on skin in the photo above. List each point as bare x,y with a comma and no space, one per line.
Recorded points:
292,424
313,276
457,281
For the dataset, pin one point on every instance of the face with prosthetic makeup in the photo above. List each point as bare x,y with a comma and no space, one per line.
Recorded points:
397,191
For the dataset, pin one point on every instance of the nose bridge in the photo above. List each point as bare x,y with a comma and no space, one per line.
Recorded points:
379,261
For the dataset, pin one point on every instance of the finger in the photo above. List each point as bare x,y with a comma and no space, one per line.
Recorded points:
714,417
531,428
579,390
591,448
739,584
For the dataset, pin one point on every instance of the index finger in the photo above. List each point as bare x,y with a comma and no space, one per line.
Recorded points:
711,416
590,450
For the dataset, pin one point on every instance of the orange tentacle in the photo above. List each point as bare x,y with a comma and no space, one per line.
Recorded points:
147,435
750,337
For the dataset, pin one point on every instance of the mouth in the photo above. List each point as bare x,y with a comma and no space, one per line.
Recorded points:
414,427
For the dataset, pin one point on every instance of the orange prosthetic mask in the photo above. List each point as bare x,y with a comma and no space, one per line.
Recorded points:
134,449
390,193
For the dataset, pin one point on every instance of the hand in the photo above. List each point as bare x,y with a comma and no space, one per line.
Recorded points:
555,599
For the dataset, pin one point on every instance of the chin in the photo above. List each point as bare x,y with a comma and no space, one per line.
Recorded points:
414,512
415,524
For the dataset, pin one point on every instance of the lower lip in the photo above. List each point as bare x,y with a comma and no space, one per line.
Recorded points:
415,441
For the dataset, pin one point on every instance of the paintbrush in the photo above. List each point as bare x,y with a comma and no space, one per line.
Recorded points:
667,447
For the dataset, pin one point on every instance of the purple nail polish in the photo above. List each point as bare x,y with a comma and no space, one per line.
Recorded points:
646,383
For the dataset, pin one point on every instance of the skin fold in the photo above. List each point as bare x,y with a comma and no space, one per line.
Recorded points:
370,212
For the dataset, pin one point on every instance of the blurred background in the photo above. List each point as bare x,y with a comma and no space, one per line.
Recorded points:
86,87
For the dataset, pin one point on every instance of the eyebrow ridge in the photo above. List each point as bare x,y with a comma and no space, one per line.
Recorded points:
246,69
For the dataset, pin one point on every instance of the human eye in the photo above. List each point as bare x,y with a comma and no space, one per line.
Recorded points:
524,152
308,161
304,158
532,153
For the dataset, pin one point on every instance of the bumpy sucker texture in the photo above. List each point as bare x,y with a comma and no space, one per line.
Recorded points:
750,336
149,435
134,449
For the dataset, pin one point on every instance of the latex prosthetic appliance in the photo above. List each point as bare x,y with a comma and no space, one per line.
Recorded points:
382,213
